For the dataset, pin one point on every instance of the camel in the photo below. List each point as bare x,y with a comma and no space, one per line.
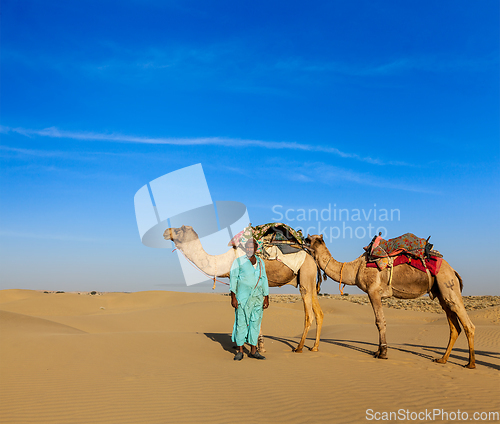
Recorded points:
278,274
407,283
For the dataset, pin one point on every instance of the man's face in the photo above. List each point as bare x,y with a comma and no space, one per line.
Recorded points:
250,248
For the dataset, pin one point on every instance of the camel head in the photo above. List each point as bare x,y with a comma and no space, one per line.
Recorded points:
313,242
180,235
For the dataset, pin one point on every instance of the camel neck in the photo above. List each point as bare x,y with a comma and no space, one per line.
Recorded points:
337,270
219,265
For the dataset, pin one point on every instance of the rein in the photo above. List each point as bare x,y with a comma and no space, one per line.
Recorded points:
340,282
341,289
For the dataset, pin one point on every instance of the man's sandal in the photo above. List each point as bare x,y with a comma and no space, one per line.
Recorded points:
256,355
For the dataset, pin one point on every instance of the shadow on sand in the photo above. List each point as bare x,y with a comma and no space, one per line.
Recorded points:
224,339
440,351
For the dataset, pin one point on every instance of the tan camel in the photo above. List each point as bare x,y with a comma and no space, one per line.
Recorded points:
186,240
407,283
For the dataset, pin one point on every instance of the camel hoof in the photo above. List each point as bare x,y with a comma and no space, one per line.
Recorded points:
313,349
470,366
380,355
262,350
440,361
297,350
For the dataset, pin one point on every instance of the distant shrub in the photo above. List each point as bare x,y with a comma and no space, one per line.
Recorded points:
93,293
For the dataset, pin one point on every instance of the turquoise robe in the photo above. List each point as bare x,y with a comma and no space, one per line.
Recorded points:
250,296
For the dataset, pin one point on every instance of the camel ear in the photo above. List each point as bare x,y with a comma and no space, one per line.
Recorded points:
321,236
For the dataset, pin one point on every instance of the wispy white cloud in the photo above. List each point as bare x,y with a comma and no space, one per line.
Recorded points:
8,151
237,65
323,173
54,132
389,66
329,174
32,152
60,237
236,54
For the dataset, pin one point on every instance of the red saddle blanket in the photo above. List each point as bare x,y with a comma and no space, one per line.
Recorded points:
433,264
408,243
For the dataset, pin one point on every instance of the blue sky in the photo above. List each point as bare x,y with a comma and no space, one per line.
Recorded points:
348,105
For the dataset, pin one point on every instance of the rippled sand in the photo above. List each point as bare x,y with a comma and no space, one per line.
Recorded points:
158,357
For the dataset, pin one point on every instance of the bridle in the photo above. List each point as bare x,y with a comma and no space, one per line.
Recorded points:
324,271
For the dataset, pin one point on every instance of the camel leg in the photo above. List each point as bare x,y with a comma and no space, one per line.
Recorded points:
376,302
459,309
469,332
318,314
308,311
450,292
454,329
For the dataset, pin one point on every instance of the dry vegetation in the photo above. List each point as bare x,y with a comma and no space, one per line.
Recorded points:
420,304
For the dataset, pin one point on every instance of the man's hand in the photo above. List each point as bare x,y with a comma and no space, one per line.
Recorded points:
266,302
234,301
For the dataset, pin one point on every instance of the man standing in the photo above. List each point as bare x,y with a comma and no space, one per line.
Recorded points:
249,297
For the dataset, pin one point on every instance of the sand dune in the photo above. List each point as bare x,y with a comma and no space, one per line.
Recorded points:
158,357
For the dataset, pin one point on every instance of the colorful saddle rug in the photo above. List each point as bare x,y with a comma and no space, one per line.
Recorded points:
407,243
268,233
405,249
278,232
433,264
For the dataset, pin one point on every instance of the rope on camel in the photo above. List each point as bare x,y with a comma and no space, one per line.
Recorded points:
194,266
340,282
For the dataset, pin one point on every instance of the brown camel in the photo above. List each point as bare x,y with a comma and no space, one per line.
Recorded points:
406,283
186,240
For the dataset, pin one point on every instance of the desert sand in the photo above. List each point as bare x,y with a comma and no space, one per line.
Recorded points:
167,357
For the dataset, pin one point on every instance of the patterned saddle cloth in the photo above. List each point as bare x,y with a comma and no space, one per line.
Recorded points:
433,264
276,241
402,249
279,233
272,233
407,243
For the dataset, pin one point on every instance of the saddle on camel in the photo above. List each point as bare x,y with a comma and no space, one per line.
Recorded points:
276,241
406,249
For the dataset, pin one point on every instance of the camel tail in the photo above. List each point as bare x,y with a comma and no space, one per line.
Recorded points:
460,281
